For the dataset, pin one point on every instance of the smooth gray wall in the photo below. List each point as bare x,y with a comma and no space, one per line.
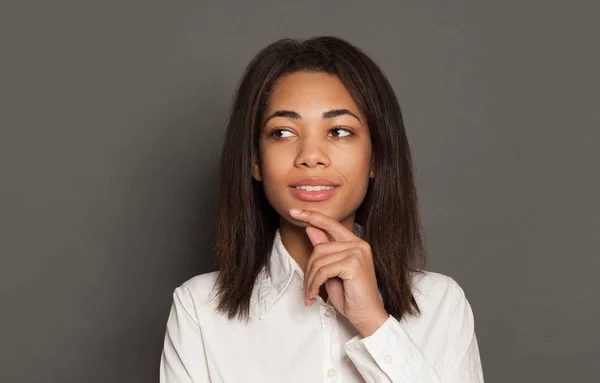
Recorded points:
111,125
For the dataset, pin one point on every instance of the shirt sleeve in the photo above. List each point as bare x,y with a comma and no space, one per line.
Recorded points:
390,355
183,358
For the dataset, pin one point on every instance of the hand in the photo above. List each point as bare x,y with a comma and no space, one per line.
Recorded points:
345,266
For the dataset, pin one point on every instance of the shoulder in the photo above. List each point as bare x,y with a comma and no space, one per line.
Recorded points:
432,283
201,284
445,319
435,292
196,292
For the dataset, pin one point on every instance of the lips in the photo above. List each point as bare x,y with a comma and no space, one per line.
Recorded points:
314,195
314,182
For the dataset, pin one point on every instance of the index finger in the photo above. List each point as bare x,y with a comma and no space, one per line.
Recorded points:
334,228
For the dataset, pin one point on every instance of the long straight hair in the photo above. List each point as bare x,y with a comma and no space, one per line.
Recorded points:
246,223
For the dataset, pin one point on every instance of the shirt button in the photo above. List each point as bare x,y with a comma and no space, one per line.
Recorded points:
331,373
387,358
329,313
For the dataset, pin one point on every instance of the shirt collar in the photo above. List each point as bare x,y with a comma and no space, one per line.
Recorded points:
272,284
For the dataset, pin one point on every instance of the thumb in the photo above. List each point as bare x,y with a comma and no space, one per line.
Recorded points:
316,235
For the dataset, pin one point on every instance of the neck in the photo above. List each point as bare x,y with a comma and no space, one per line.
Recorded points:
297,243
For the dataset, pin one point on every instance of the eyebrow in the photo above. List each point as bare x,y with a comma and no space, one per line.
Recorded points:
329,114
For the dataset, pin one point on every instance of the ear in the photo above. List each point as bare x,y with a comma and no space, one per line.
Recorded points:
256,169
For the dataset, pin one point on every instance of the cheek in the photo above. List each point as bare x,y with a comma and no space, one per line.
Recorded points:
365,163
356,164
274,166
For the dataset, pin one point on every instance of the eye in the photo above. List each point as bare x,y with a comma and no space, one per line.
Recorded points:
276,133
341,131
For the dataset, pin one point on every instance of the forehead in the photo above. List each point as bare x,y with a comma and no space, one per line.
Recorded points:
310,92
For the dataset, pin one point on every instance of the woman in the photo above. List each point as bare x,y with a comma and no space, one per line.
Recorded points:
318,239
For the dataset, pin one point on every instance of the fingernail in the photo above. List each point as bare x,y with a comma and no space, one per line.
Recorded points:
296,211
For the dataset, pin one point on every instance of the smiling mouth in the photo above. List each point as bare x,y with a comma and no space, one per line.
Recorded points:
313,188
316,193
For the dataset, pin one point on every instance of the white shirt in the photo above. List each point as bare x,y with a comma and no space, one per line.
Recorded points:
285,341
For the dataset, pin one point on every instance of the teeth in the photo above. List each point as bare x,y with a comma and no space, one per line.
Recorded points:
314,188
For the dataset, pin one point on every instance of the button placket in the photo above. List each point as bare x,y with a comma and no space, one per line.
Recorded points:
328,324
329,313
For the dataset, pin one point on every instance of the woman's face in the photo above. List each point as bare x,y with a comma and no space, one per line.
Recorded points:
314,134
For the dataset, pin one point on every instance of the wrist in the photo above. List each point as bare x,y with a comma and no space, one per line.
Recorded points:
373,324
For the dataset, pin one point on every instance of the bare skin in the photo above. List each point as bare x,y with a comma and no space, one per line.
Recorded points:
308,147
313,128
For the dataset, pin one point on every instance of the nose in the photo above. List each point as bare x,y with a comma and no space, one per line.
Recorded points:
312,153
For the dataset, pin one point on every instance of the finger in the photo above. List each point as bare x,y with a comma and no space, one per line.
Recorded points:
324,249
324,260
334,228
343,268
316,237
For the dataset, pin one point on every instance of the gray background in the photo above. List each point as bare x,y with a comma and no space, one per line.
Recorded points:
111,125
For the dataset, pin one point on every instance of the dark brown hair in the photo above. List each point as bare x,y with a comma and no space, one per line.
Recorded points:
246,223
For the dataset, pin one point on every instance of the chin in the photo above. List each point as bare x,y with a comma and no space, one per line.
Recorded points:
298,223
319,209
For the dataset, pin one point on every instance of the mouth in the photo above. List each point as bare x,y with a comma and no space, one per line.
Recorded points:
313,193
